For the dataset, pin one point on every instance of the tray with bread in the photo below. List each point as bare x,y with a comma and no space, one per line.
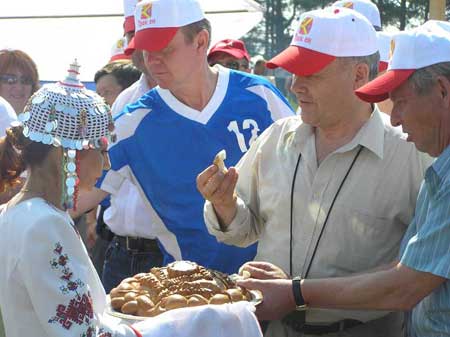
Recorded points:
178,285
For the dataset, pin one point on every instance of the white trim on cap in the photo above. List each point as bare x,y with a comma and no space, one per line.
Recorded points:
421,47
339,32
128,7
167,13
365,7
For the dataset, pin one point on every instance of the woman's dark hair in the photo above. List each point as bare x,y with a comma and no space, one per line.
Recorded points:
13,58
16,154
123,71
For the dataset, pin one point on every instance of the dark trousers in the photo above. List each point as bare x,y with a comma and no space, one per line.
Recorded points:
121,263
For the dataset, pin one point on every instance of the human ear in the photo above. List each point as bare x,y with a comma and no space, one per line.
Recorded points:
202,40
443,85
361,75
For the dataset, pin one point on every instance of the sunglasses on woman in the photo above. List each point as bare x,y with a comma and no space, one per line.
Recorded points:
13,79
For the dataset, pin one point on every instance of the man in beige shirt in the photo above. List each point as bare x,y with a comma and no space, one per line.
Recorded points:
329,193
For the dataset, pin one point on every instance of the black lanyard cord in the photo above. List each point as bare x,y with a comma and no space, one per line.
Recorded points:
292,210
328,213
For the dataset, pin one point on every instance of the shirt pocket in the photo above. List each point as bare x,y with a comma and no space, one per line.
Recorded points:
367,240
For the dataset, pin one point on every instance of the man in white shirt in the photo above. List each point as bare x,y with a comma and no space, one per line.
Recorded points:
133,247
323,193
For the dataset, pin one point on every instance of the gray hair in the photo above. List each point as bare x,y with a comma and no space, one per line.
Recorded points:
190,31
371,61
423,79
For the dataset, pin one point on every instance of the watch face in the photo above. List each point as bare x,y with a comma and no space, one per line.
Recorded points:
301,307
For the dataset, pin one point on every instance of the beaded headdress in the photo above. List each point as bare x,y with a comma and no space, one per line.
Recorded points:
65,114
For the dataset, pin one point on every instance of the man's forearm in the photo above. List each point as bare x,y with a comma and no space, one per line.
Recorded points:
225,215
398,288
87,200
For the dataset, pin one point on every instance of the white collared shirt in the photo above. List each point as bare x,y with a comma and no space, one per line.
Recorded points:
368,219
127,216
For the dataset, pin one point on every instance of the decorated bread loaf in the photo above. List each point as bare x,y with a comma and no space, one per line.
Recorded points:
180,284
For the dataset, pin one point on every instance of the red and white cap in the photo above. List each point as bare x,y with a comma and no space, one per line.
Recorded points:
118,50
157,22
235,48
128,12
384,47
322,36
365,7
411,50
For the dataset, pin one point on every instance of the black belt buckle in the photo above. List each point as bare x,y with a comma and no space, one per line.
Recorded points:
137,245
127,244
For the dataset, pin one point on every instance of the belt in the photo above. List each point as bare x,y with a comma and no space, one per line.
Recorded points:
310,329
102,228
139,245
104,232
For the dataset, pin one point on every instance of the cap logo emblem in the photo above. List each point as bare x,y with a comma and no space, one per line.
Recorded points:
306,25
146,11
119,44
391,52
348,5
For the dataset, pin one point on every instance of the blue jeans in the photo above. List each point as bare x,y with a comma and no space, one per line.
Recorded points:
121,263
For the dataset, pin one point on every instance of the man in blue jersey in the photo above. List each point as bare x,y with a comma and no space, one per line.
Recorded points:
175,130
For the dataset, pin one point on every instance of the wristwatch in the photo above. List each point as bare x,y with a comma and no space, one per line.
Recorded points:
298,297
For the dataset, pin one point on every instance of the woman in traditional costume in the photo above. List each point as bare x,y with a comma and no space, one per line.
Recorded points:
48,285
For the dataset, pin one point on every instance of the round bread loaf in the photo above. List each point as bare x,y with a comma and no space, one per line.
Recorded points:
180,284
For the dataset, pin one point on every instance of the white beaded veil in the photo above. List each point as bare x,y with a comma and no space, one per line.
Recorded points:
65,114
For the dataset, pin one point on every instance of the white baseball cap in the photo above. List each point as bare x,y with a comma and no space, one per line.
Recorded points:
118,50
411,50
128,12
365,7
157,22
384,47
322,36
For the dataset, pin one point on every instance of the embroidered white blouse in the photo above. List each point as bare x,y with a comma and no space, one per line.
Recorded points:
48,285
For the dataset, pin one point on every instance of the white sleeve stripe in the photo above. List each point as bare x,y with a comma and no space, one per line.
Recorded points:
127,124
276,105
162,233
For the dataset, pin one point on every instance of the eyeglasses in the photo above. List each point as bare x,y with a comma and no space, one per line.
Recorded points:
13,79
235,65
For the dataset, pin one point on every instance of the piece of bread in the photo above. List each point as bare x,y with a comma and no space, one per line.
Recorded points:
219,161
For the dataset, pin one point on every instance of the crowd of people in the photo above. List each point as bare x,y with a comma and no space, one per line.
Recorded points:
338,212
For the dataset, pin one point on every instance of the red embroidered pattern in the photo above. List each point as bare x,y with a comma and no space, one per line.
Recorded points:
79,310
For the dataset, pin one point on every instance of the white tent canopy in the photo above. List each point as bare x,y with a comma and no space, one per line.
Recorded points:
54,32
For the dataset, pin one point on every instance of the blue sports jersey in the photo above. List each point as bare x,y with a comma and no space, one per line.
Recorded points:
163,145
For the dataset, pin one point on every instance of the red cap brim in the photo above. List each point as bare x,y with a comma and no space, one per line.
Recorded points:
130,48
151,39
300,61
382,66
378,90
239,54
128,25
119,57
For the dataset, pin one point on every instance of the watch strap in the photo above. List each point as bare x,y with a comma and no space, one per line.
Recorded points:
297,291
